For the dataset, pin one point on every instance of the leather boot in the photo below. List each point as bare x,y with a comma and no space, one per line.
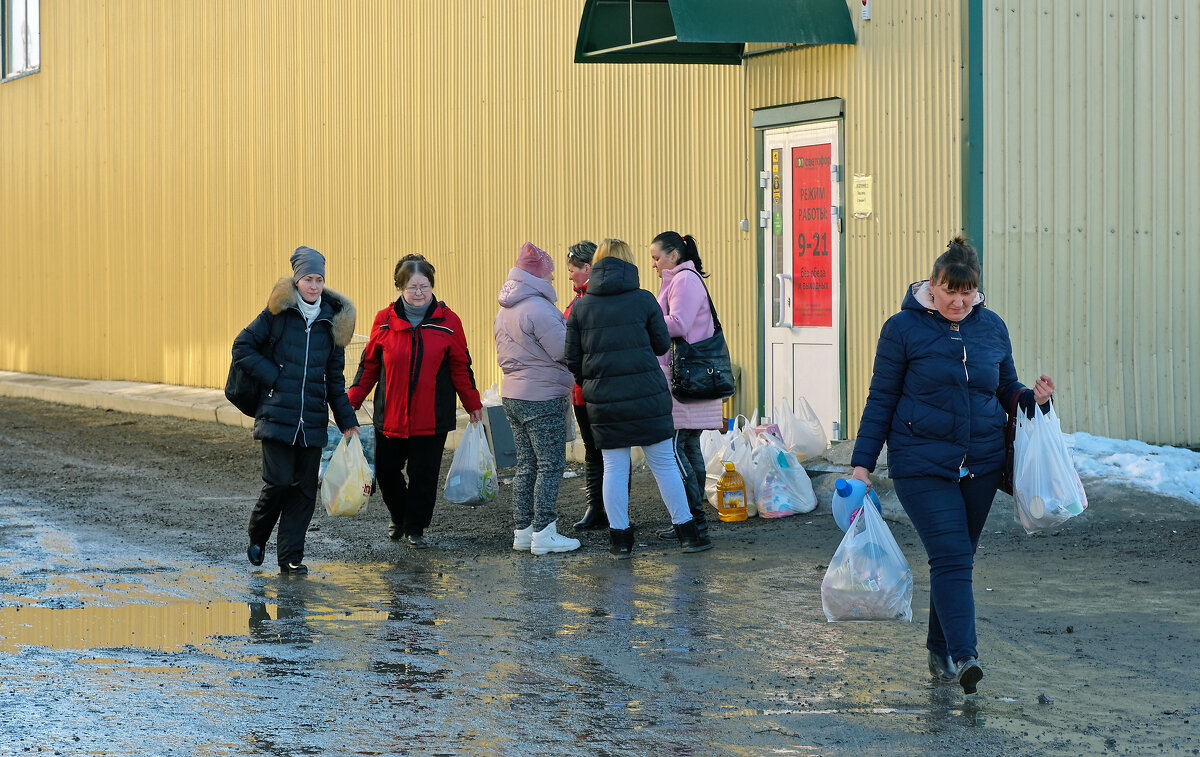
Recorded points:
698,517
690,538
622,543
942,668
594,517
395,532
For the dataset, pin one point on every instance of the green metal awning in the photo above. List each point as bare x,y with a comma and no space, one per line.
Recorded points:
704,31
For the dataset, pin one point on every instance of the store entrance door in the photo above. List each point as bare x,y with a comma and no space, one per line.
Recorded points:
802,243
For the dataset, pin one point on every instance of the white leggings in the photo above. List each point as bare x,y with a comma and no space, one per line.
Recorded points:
661,459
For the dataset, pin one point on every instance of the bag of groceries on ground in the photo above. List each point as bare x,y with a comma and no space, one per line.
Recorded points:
347,482
868,577
472,476
782,486
802,431
1046,488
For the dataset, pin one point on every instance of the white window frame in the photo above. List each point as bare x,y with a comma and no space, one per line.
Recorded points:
27,39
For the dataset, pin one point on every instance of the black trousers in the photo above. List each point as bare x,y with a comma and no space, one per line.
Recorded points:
288,497
410,501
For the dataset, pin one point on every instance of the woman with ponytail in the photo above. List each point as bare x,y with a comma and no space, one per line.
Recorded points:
943,375
683,298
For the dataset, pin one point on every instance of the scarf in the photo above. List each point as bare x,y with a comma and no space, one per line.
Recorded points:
310,312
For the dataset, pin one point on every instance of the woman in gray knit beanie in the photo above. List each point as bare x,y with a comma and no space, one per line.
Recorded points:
295,349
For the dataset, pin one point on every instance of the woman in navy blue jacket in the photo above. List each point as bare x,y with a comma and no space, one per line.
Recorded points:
943,375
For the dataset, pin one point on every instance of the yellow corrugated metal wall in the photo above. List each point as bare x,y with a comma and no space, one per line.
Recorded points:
157,172
901,87
1092,174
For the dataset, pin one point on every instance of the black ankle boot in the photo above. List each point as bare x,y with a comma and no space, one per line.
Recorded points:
594,517
969,673
690,538
942,668
395,532
622,543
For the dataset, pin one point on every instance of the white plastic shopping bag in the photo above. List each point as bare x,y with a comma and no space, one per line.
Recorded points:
1046,489
801,428
346,485
868,577
472,476
738,448
783,487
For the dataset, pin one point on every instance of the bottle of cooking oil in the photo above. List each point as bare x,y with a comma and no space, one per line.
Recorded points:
731,495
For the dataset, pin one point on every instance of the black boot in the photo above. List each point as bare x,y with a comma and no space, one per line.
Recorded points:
395,532
942,668
622,543
698,517
594,516
690,538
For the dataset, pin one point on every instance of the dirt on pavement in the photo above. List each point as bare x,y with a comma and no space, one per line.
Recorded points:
1090,634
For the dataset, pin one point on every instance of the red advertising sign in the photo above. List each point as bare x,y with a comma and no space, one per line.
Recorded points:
812,296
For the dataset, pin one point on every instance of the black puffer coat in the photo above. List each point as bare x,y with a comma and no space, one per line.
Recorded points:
614,334
305,379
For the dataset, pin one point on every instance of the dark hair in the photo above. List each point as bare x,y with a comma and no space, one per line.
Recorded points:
957,268
410,264
580,253
671,241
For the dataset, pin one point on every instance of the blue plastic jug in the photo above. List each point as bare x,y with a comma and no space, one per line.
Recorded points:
847,500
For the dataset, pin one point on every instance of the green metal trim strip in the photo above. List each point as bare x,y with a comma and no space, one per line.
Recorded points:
761,328
972,131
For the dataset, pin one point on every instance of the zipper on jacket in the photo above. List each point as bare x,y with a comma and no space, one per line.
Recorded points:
413,363
303,384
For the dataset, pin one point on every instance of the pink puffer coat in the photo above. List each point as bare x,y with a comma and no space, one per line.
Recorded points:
684,301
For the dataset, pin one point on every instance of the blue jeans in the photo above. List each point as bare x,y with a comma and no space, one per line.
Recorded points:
949,517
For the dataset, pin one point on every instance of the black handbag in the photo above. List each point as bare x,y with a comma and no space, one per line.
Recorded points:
241,389
1010,439
701,370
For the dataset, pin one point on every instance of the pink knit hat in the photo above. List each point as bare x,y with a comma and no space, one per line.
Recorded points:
535,260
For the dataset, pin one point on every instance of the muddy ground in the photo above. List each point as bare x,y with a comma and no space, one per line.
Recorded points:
1089,635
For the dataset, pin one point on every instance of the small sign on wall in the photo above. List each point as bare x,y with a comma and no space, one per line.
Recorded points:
866,10
862,195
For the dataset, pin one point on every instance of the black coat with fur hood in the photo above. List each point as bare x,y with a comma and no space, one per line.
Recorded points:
305,379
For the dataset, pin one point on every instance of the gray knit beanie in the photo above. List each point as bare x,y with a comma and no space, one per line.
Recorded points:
306,260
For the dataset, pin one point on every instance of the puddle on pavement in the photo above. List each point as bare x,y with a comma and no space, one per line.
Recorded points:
494,654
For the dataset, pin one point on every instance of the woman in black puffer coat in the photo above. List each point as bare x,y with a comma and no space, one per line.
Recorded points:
299,364
614,334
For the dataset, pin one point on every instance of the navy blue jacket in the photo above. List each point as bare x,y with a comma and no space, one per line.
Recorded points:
938,392
305,378
614,334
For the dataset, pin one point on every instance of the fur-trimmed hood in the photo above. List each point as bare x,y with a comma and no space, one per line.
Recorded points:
342,314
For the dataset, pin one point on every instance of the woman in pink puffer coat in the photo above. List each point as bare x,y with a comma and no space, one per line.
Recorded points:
684,300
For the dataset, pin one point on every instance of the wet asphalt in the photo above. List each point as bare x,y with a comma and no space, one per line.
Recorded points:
109,647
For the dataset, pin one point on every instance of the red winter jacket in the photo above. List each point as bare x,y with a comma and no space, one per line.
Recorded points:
577,391
419,372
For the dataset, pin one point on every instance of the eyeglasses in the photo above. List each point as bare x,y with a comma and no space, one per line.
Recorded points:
418,289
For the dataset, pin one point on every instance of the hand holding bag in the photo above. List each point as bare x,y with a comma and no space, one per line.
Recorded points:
702,370
1046,489
472,476
868,577
346,485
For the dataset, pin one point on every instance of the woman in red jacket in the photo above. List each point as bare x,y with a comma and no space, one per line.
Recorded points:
417,360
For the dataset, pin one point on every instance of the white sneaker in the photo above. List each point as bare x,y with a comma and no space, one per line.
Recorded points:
523,539
549,540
